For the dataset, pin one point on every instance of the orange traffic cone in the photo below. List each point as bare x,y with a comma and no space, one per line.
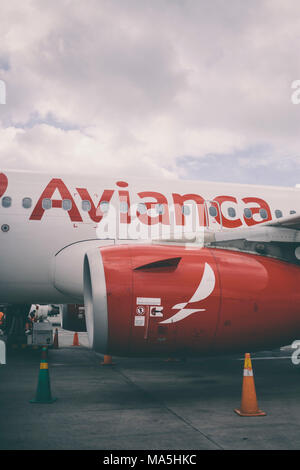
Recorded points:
107,361
55,341
75,340
249,406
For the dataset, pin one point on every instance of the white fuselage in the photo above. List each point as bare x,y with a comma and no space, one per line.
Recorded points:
41,215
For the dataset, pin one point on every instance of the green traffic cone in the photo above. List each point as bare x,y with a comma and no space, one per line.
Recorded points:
43,391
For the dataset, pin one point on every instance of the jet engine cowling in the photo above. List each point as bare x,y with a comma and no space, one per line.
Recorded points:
154,300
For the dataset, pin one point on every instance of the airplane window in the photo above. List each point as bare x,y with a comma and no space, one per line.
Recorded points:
142,209
231,212
67,204
26,202
213,211
292,212
278,213
6,201
86,206
123,207
159,208
263,213
46,203
247,213
186,210
104,206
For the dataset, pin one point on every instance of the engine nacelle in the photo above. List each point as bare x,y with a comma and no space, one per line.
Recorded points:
153,300
72,317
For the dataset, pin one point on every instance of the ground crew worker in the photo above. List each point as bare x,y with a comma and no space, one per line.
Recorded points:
32,316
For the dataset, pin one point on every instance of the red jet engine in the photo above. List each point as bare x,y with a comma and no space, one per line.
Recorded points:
145,300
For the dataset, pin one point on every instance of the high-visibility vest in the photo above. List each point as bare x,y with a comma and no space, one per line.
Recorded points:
1,317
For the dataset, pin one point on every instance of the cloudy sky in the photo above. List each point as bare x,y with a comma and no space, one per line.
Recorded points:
185,89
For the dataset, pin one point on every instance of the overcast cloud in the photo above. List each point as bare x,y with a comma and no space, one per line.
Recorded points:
169,88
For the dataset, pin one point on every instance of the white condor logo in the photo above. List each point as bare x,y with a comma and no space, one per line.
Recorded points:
205,288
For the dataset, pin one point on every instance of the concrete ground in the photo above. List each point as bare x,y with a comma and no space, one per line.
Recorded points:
146,404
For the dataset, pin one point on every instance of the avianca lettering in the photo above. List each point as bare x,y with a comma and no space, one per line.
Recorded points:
96,214
124,203
179,201
148,199
255,210
3,183
54,184
228,223
163,217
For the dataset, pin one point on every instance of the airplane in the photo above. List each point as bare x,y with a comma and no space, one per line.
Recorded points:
162,267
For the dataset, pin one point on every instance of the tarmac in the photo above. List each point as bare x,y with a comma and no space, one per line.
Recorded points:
147,404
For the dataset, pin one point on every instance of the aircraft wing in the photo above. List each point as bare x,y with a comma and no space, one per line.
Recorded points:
283,230
292,222
278,239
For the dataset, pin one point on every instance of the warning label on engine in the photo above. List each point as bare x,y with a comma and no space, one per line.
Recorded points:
139,321
148,301
140,310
